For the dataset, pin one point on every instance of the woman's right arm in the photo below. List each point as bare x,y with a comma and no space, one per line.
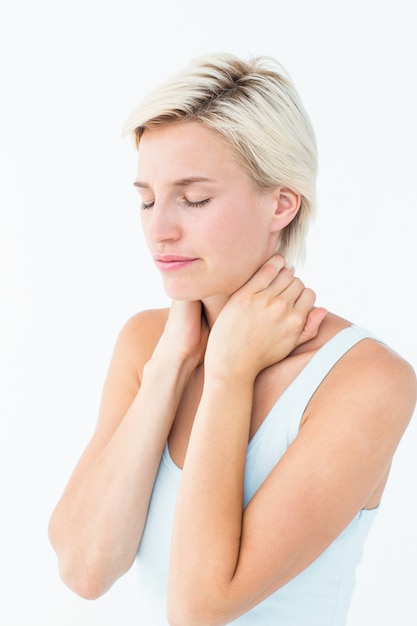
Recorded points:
98,523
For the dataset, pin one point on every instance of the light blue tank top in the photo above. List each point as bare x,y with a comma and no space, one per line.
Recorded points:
321,594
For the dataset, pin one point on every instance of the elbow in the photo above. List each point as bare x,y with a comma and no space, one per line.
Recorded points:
85,571
87,581
86,584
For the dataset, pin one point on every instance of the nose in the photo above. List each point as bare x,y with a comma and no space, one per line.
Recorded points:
161,223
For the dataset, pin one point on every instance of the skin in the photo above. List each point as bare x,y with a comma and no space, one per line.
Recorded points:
240,329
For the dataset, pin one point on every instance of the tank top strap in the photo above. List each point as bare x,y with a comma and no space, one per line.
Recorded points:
327,356
304,386
282,424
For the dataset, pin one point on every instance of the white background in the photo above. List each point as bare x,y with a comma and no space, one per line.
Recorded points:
74,267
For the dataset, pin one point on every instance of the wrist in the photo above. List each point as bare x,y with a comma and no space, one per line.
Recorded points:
230,374
169,368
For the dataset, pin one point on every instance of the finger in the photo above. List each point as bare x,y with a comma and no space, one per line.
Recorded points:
293,291
312,324
265,275
283,280
305,300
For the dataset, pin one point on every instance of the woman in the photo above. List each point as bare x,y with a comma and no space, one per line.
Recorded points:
245,437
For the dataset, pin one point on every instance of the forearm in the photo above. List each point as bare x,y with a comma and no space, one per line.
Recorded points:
208,519
97,526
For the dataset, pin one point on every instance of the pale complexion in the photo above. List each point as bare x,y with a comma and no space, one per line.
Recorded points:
229,232
259,330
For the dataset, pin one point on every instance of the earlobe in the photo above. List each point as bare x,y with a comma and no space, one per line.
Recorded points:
287,205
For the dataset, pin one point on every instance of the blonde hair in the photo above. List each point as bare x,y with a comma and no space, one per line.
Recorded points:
254,106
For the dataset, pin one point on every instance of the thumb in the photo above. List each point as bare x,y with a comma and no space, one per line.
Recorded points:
312,325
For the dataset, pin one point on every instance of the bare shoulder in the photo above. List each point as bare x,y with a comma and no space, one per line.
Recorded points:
139,336
360,412
380,368
134,347
145,325
371,377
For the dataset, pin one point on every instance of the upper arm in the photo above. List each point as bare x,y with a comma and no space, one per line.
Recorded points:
134,347
342,452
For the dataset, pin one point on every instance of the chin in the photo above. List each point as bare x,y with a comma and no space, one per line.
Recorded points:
200,289
183,293
189,292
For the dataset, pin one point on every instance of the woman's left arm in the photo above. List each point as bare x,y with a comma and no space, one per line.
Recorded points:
225,561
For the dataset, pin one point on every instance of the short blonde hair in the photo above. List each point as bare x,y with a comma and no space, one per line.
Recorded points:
254,106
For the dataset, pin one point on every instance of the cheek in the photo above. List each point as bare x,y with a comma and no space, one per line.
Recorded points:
145,223
246,229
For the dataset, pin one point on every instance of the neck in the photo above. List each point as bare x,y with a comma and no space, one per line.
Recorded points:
212,308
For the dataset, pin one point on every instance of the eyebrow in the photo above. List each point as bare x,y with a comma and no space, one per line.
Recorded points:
182,182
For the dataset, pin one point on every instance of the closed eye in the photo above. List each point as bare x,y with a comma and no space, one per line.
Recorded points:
198,203
188,203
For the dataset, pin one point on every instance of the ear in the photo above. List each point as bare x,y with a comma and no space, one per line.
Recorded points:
286,206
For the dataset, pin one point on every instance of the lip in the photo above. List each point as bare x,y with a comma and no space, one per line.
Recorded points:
168,262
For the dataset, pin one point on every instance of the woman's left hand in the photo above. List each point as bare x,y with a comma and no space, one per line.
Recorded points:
263,322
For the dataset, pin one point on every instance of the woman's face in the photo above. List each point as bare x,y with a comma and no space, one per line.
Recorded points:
206,226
